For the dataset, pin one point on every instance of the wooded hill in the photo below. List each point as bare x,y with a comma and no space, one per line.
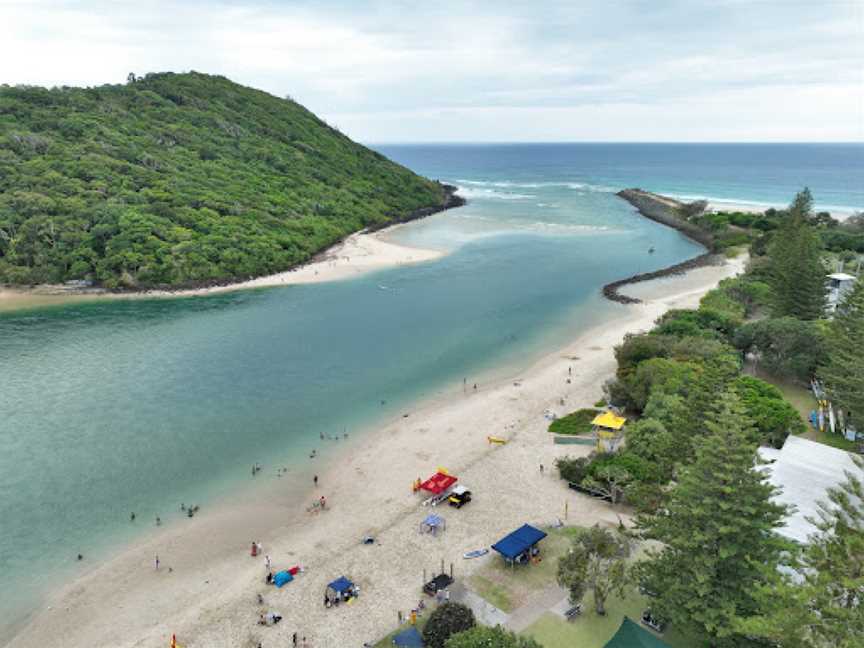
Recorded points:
182,179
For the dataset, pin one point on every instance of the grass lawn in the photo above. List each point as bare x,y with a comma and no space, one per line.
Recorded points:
589,630
578,422
803,400
508,588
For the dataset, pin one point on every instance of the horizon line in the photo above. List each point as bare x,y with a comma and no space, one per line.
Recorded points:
565,142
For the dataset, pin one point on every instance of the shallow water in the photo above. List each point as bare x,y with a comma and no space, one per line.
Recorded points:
112,407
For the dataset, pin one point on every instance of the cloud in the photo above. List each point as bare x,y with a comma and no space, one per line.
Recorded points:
391,71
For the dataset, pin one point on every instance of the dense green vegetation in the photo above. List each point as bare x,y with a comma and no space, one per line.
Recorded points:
843,374
485,637
715,529
700,419
180,179
445,621
845,239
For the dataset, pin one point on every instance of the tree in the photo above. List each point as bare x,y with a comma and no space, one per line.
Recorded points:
597,561
786,346
672,411
484,637
716,530
648,438
772,417
822,607
797,276
447,620
573,469
844,373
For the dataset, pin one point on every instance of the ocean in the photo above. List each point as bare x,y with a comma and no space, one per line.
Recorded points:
113,407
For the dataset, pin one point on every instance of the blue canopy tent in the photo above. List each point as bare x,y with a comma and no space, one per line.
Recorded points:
340,589
409,637
282,577
516,546
433,524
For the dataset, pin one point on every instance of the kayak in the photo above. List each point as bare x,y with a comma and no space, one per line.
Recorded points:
476,553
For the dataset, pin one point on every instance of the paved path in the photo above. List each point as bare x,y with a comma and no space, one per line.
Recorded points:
524,616
484,612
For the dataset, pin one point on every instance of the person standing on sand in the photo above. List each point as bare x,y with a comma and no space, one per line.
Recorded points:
157,562
294,640
541,469
267,562
315,480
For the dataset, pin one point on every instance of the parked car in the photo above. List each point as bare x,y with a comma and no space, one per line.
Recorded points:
459,496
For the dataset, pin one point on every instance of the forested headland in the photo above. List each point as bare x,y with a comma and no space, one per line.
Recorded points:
182,180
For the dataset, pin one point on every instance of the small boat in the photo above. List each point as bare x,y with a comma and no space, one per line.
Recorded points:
475,554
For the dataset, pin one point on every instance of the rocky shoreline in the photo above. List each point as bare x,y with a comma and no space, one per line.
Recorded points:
663,210
451,201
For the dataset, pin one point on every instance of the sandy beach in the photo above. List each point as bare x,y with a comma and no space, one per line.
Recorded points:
209,596
358,254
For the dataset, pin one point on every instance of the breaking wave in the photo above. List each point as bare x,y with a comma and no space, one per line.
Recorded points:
507,184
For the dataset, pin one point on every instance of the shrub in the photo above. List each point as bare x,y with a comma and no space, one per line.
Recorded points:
483,637
773,417
447,620
573,469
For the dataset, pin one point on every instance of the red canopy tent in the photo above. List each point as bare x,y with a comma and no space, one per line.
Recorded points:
438,483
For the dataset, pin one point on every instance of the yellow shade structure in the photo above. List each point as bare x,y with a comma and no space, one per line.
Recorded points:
609,420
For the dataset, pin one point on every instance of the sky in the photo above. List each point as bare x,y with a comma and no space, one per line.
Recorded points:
500,71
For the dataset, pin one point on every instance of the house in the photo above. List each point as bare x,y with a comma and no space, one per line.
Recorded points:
839,285
804,471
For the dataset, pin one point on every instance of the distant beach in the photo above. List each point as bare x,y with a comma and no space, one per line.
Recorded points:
209,597
358,254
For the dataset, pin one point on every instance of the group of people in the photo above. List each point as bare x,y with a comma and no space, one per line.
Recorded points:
190,510
335,437
270,618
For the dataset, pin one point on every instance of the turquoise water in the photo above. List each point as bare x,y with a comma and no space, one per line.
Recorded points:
107,408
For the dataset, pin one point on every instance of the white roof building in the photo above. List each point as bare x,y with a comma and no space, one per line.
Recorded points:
804,471
839,285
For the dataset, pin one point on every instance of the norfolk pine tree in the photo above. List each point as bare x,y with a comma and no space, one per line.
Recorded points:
844,373
717,532
797,276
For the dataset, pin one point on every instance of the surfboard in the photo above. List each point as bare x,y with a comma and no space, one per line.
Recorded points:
475,554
